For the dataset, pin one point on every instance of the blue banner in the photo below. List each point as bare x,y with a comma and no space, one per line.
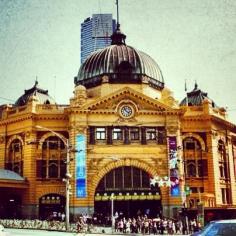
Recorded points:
80,168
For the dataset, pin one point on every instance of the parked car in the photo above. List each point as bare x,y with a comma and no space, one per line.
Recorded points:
218,228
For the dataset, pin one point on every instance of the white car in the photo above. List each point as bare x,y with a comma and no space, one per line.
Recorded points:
218,228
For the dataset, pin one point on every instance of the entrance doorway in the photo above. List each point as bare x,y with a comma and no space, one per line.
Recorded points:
10,206
129,189
51,206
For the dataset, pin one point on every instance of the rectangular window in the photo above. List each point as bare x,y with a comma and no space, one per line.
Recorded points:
16,147
117,134
136,178
201,189
118,178
221,171
110,180
223,195
202,168
134,133
53,144
228,198
62,169
234,157
151,134
161,138
191,168
100,133
127,177
41,169
193,189
190,145
145,179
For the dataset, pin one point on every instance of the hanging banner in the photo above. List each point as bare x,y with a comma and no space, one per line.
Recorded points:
173,167
80,168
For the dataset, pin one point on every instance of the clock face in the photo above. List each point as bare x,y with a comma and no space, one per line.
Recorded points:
126,111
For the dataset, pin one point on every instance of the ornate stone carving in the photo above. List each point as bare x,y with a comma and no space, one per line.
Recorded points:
168,99
80,96
105,79
81,129
172,129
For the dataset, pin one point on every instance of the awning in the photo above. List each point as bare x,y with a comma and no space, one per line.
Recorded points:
10,179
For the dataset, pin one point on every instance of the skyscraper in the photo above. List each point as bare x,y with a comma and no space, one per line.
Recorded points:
95,33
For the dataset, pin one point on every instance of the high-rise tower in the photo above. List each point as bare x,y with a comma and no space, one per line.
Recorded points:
95,33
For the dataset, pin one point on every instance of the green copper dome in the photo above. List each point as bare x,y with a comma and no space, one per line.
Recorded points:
121,63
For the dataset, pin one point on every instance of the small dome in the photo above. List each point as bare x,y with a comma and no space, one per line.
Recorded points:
80,88
121,63
35,93
196,97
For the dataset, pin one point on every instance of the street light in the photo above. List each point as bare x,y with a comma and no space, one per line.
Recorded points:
68,175
112,213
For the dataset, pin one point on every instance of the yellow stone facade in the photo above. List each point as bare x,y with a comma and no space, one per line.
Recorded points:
101,107
121,107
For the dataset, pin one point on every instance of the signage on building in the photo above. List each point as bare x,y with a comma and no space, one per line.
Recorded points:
173,167
80,173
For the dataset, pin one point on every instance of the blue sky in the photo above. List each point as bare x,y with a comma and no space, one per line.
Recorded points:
189,39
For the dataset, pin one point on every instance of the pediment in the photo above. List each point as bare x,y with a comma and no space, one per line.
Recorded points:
141,102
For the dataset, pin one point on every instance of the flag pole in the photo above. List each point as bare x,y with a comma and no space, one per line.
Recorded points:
185,89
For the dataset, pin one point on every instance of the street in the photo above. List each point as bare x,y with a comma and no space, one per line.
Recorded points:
25,232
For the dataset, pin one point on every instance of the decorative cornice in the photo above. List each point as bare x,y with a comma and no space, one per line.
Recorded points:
16,119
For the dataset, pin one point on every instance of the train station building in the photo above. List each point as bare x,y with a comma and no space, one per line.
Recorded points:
122,138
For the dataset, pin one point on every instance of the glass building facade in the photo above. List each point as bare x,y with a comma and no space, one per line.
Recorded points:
95,33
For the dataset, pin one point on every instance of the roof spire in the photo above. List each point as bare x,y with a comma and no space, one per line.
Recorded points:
185,89
195,85
118,38
117,12
36,81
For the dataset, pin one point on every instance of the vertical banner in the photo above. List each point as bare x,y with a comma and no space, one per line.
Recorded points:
173,167
80,167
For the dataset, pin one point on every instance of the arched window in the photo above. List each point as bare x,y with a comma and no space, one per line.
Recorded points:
53,170
195,163
223,162
221,147
191,170
125,178
124,68
14,159
52,164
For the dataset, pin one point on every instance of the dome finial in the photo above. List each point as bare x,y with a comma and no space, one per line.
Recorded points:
118,38
36,81
195,85
117,12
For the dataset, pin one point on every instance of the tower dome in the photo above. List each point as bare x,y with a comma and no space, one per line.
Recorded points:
121,63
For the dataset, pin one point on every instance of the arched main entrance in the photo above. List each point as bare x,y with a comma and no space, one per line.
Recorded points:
129,187
51,206
10,205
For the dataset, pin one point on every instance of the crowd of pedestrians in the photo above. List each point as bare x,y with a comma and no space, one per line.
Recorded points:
134,225
145,225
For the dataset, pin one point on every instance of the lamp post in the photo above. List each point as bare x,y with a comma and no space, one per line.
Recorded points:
112,213
68,175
